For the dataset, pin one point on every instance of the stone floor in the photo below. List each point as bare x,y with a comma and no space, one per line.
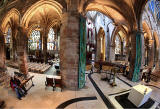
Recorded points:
51,70
107,89
44,98
156,92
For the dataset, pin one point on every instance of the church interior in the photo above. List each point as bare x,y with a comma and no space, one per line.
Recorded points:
79,54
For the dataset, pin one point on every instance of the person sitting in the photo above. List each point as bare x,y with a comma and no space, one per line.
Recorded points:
18,83
18,90
11,83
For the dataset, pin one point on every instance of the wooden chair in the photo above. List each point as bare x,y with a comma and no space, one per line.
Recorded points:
50,82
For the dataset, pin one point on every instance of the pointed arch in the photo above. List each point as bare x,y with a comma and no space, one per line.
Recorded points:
12,18
147,29
116,30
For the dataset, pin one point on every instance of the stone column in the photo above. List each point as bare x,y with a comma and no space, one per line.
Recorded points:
151,53
14,49
21,50
132,55
44,41
27,45
112,53
2,52
69,49
44,37
127,53
122,49
108,46
143,52
157,58
135,68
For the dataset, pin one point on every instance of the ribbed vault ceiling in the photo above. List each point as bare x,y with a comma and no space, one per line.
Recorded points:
124,12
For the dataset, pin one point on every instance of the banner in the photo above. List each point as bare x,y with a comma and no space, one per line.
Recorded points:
138,58
82,58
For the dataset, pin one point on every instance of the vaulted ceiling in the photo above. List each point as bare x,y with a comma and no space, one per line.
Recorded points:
125,12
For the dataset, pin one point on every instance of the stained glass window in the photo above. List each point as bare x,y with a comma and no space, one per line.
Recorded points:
34,42
117,45
8,36
154,6
151,5
51,39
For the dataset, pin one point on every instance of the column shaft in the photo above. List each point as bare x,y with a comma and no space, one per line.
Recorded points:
69,50
2,52
21,51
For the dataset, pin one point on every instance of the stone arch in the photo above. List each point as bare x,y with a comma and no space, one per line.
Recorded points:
115,32
108,8
147,29
148,50
117,29
33,9
12,19
101,45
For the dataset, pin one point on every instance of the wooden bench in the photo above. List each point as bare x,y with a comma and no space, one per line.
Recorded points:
27,80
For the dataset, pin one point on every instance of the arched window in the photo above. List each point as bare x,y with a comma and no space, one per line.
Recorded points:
34,42
51,40
8,36
117,45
